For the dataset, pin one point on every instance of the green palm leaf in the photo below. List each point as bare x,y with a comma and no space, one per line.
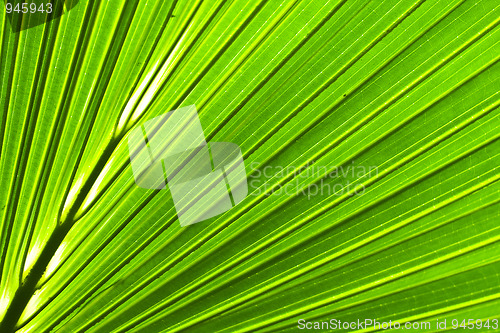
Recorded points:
369,131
